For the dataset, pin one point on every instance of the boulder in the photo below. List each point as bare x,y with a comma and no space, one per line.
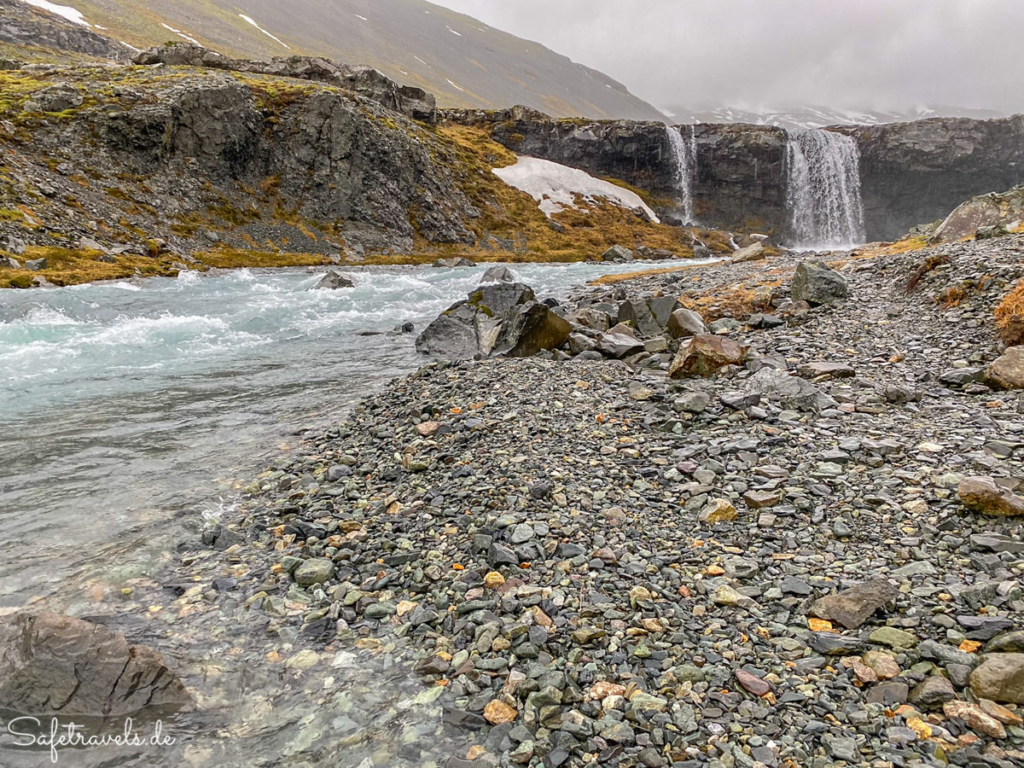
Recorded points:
853,606
983,216
753,252
686,322
51,664
653,254
332,281
36,264
662,309
796,393
704,354
1007,371
816,283
591,318
533,328
985,496
618,253
9,262
638,314
12,245
619,343
455,261
59,97
498,274
449,337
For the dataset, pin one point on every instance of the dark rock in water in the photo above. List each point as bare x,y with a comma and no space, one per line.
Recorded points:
498,274
51,664
405,328
497,318
853,606
816,283
333,281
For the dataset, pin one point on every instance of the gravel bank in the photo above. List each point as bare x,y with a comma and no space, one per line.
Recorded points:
585,562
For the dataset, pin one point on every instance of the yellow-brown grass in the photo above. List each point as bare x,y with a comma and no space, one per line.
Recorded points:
1010,317
72,266
613,279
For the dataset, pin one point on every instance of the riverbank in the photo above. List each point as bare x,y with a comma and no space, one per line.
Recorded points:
586,562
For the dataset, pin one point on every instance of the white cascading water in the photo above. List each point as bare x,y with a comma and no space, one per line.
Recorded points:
684,154
823,190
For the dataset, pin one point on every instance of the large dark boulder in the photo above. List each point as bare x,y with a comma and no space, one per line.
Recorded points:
496,319
816,283
51,664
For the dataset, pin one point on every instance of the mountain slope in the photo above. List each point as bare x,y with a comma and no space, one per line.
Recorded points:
462,61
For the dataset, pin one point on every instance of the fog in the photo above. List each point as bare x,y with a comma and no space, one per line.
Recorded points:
867,54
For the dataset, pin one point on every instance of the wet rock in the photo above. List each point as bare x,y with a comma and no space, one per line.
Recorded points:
816,283
498,274
51,664
705,354
853,606
1000,677
985,496
333,281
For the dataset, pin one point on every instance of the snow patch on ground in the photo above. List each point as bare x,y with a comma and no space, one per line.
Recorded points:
180,34
454,85
66,11
555,186
459,34
361,17
130,47
261,29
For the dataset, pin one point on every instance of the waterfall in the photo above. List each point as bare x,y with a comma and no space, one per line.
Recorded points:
684,156
823,189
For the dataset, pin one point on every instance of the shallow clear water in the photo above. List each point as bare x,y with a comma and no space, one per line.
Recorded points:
126,406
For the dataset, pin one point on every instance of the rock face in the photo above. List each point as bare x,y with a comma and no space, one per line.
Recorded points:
56,664
704,354
911,173
1007,371
917,172
57,98
21,24
993,210
366,81
816,283
1000,678
985,496
333,156
498,319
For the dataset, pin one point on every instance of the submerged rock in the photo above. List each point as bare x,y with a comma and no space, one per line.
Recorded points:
333,281
57,664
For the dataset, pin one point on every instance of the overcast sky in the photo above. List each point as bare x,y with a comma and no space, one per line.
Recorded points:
874,54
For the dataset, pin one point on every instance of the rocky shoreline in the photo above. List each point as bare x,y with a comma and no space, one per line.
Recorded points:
590,563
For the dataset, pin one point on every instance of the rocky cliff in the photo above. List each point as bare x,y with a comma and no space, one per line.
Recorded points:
915,173
911,173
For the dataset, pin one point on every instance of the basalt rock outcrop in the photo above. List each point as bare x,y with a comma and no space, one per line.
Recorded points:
201,156
911,173
996,211
20,24
366,81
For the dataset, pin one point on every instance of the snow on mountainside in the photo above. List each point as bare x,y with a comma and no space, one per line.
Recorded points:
815,117
462,61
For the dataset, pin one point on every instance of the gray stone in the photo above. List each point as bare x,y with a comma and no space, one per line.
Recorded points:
686,322
816,283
